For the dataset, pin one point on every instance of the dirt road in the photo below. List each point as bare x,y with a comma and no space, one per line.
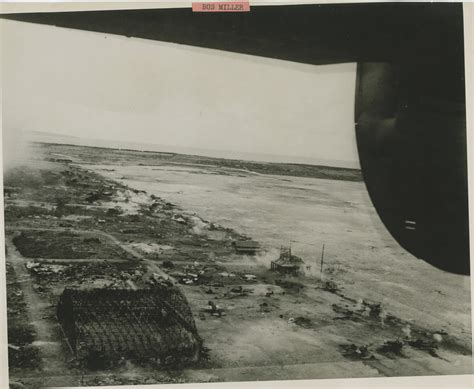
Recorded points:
49,337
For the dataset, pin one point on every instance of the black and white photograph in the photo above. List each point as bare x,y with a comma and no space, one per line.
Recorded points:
234,192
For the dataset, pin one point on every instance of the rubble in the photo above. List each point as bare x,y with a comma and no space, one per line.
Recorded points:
292,286
392,347
357,352
346,313
374,309
214,309
226,274
429,346
238,291
31,265
330,286
362,310
303,322
42,269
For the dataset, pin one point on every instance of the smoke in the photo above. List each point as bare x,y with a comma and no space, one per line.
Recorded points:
265,258
438,338
382,316
16,148
310,267
199,227
407,331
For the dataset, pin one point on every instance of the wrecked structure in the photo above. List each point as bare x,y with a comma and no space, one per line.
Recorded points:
154,323
248,247
287,263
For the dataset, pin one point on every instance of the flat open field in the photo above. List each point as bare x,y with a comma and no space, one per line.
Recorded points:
374,311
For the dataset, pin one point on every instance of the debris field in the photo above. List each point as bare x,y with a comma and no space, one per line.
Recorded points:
108,284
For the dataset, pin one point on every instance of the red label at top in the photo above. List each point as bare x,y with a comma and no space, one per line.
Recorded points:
222,6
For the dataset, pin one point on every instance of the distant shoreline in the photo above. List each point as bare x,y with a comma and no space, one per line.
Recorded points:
112,155
35,136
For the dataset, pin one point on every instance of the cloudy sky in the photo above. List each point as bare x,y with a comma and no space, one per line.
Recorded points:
102,86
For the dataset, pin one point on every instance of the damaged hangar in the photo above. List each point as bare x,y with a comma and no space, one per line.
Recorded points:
154,323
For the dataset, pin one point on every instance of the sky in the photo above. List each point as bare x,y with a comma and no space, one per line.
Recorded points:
102,86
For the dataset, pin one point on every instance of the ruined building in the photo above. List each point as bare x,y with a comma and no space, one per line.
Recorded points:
288,263
247,247
136,324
